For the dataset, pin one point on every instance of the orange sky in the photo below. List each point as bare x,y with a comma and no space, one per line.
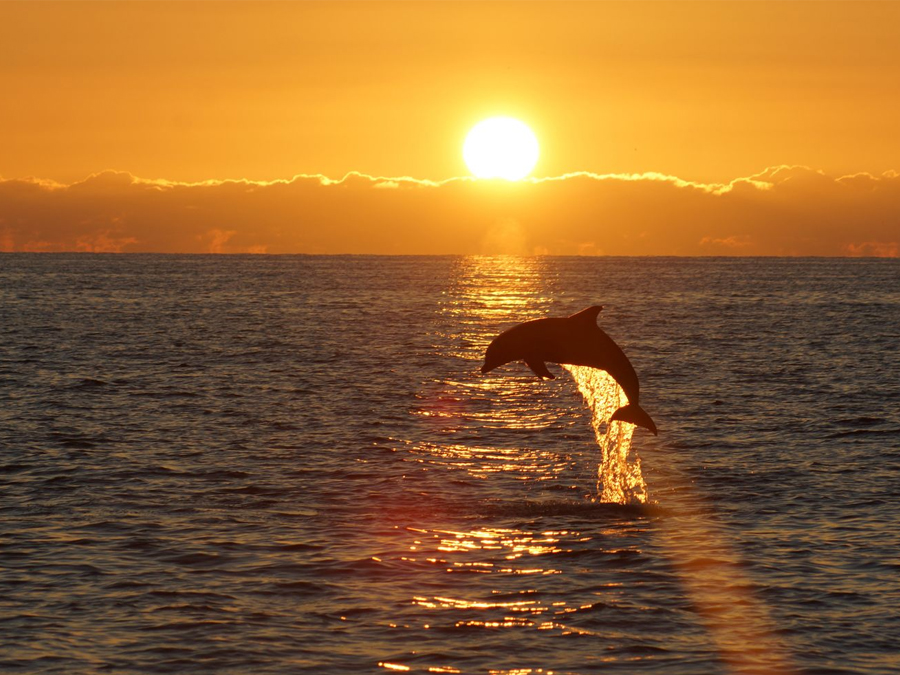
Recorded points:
206,91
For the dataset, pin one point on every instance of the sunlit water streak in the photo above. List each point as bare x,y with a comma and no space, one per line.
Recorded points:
619,478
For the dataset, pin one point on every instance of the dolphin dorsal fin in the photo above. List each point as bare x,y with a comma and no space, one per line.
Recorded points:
588,315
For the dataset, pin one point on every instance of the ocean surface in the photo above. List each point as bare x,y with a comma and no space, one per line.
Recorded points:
261,464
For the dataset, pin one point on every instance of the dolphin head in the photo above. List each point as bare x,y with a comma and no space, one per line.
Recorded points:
502,349
492,359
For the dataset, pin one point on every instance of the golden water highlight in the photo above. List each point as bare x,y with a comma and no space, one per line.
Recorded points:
619,477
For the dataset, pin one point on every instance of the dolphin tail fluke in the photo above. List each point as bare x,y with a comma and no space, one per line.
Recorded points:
634,414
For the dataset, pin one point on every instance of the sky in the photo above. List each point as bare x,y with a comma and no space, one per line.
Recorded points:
665,128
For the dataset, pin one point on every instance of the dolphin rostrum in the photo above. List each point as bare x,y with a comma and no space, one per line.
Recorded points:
576,341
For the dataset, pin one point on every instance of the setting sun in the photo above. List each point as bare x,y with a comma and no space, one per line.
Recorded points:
501,147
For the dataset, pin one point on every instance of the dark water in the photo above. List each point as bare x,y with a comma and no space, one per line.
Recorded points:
291,465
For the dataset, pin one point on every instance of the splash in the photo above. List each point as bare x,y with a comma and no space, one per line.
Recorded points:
619,478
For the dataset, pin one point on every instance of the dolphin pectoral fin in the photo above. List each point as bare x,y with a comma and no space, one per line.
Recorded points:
634,414
539,368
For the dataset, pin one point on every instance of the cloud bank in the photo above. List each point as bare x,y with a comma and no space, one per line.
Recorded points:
786,210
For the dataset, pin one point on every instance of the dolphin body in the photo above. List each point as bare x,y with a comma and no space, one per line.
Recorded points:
577,341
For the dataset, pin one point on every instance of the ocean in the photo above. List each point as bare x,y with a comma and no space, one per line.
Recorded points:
292,464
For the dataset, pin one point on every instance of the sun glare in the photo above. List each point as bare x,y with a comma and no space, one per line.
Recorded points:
501,147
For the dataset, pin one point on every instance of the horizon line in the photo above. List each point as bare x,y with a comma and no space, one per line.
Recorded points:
255,254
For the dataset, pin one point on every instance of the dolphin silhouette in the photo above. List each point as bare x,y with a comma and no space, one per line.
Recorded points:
577,341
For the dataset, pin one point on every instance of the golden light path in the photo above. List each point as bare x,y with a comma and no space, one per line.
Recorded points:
507,289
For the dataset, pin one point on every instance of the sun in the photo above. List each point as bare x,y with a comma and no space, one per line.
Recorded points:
501,147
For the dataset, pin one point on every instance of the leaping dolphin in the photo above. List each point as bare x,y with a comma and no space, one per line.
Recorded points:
577,341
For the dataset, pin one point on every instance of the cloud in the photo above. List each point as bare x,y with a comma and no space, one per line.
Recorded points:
784,210
733,242
873,249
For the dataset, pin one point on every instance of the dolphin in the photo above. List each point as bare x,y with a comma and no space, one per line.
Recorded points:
577,341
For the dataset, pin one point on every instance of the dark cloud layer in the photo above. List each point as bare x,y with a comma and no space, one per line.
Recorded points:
781,211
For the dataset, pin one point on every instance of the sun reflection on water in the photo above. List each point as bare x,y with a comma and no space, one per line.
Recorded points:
505,427
507,552
487,294
492,585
